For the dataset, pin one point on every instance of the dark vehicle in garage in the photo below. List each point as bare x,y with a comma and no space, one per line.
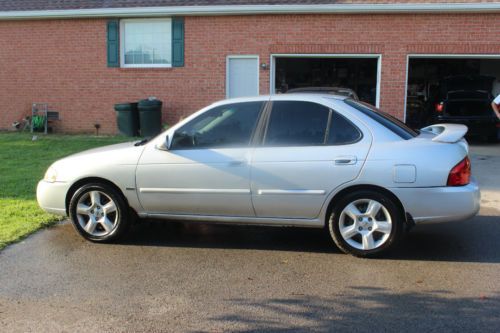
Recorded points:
467,100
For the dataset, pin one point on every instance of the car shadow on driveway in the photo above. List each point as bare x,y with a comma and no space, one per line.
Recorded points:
474,240
364,309
207,235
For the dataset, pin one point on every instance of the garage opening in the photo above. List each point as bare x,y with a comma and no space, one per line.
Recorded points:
431,79
357,73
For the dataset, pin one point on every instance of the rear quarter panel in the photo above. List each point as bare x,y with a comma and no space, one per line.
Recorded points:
432,162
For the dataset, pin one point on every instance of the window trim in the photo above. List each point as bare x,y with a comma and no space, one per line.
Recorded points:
122,43
328,124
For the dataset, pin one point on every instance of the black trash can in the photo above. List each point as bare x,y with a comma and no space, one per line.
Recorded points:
150,117
127,118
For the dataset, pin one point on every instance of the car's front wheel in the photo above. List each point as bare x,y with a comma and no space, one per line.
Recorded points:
99,212
366,223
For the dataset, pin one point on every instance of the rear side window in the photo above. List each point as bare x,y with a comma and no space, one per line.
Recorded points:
342,131
385,119
295,123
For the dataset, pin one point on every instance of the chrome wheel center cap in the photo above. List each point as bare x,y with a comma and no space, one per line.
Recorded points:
98,212
365,222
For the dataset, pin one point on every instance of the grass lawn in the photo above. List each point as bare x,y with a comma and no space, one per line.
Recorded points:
23,163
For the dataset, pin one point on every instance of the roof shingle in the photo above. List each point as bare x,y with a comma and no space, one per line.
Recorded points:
24,5
36,5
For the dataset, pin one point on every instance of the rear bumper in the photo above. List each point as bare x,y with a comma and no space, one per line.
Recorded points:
52,197
440,204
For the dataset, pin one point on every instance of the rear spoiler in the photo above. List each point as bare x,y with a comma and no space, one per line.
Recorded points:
447,133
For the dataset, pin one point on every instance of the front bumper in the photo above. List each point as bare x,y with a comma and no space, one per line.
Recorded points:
440,204
52,196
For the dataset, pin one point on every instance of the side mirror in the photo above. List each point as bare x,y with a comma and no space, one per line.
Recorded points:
165,145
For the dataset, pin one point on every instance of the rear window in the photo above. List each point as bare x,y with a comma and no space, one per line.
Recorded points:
385,119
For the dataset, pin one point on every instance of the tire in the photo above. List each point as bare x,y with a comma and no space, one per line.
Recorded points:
99,212
357,231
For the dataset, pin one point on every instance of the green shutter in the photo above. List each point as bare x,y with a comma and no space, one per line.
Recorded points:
177,42
113,41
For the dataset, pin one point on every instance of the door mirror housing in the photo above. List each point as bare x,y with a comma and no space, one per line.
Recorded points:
164,145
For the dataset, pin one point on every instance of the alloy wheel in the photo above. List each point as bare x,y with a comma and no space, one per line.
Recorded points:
97,213
365,224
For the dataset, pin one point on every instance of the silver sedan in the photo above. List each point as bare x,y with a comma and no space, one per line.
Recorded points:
306,160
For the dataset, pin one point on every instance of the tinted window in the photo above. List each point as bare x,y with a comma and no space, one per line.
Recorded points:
342,131
228,125
295,123
385,119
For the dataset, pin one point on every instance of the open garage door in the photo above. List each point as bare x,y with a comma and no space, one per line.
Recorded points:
432,78
357,72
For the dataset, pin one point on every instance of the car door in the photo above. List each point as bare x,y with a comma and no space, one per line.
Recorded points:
308,150
206,169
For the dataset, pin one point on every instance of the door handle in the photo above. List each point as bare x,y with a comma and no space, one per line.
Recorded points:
237,163
345,160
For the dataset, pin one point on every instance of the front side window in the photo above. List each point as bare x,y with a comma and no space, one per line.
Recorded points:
230,125
146,43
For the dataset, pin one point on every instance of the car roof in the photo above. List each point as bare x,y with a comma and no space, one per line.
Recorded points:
284,97
308,96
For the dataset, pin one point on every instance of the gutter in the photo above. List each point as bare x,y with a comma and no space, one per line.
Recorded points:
415,8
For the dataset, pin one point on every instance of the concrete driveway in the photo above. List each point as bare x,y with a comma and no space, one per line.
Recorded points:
206,278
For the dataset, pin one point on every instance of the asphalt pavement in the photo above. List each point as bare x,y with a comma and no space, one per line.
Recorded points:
174,277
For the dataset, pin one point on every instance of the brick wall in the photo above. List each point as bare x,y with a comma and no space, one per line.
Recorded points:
63,62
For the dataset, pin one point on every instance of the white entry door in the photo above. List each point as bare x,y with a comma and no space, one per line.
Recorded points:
242,76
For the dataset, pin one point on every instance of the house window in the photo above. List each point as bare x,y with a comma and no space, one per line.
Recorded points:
146,43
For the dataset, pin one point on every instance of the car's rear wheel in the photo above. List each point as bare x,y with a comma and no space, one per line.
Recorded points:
99,212
366,223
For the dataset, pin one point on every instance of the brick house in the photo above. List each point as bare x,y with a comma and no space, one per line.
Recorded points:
82,56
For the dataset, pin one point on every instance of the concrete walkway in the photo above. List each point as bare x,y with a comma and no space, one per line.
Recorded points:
486,168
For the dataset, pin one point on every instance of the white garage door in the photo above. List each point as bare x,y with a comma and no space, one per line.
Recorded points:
242,77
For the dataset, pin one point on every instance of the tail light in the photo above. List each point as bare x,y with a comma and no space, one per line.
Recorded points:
460,174
440,107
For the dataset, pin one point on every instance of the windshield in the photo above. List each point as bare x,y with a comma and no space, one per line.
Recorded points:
385,119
